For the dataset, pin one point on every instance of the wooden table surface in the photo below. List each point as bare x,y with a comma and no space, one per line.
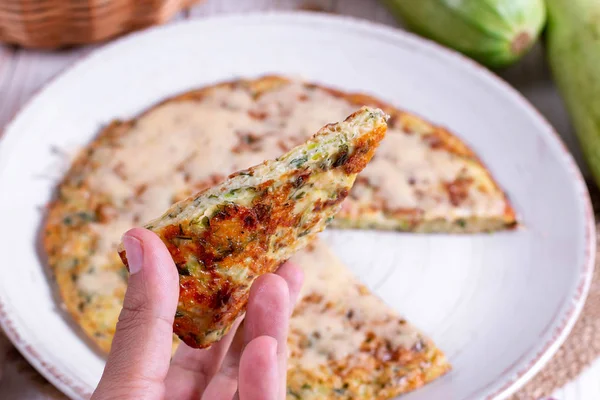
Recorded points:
22,72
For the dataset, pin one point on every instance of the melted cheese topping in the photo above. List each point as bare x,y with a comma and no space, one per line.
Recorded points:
336,313
179,147
103,283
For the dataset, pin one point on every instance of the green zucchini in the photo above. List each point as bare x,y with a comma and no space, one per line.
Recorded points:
573,51
496,33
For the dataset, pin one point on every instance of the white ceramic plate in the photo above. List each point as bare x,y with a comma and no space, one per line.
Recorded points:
499,305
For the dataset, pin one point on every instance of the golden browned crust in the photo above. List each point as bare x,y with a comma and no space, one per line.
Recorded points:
437,136
69,241
376,376
72,191
211,252
346,343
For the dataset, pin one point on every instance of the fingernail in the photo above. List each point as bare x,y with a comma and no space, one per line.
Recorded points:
134,253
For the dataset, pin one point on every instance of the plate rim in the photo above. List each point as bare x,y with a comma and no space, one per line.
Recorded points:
560,331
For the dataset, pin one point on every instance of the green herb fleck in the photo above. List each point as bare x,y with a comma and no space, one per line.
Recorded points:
304,233
329,219
300,195
183,270
306,386
205,222
194,266
79,217
342,156
297,162
220,211
461,222
232,193
178,314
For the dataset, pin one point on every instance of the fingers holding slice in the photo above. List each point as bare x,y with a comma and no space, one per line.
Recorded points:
141,348
268,314
194,371
259,372
268,309
294,277
224,383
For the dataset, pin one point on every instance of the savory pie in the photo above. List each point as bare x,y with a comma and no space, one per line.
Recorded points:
422,179
224,237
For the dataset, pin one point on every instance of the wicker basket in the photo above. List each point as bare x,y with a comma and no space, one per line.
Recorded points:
53,24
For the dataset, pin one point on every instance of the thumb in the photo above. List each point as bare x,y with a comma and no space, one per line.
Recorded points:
141,349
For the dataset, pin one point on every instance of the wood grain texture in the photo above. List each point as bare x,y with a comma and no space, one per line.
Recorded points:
56,24
23,72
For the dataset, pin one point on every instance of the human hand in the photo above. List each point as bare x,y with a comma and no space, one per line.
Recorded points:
250,362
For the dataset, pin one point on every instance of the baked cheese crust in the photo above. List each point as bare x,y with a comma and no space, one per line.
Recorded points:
224,237
422,179
346,343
